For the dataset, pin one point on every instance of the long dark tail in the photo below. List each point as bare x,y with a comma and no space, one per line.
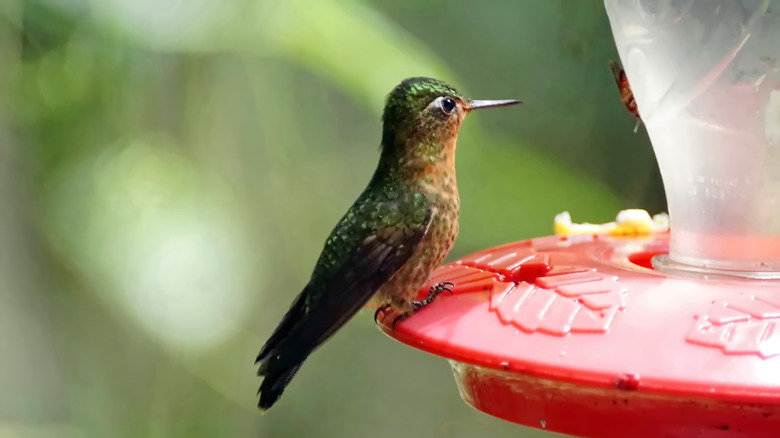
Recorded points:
303,329
274,365
273,386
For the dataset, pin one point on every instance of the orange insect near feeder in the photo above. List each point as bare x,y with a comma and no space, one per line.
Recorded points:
645,327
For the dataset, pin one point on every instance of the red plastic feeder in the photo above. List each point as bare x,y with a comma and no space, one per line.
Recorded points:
660,334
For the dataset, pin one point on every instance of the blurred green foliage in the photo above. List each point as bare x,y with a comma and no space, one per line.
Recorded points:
169,171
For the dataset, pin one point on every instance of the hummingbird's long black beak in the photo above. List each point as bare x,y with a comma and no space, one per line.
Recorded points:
477,104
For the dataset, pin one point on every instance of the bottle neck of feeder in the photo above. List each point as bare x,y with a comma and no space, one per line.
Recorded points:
710,101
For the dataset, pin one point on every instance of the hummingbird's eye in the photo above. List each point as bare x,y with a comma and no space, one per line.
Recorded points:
448,105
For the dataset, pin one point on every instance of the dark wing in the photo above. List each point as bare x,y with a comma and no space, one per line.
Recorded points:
329,301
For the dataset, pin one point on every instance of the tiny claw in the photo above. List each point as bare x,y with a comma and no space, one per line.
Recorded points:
433,292
400,318
437,289
381,309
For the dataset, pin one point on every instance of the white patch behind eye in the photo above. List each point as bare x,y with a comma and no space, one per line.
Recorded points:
435,104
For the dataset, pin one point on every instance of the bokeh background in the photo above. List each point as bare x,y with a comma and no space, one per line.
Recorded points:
169,171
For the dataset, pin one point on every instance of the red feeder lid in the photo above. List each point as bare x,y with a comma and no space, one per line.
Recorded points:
579,335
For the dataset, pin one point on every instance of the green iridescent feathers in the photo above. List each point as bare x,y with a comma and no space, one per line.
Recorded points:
406,102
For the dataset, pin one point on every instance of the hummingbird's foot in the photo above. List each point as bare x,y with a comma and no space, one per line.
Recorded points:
381,309
434,292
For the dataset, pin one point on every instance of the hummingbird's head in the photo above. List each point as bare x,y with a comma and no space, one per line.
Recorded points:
424,113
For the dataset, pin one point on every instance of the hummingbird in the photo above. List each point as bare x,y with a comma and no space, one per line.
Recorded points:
400,228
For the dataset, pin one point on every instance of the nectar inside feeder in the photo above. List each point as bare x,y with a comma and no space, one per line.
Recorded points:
626,329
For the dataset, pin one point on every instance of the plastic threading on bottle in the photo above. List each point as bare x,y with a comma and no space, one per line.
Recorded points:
664,263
